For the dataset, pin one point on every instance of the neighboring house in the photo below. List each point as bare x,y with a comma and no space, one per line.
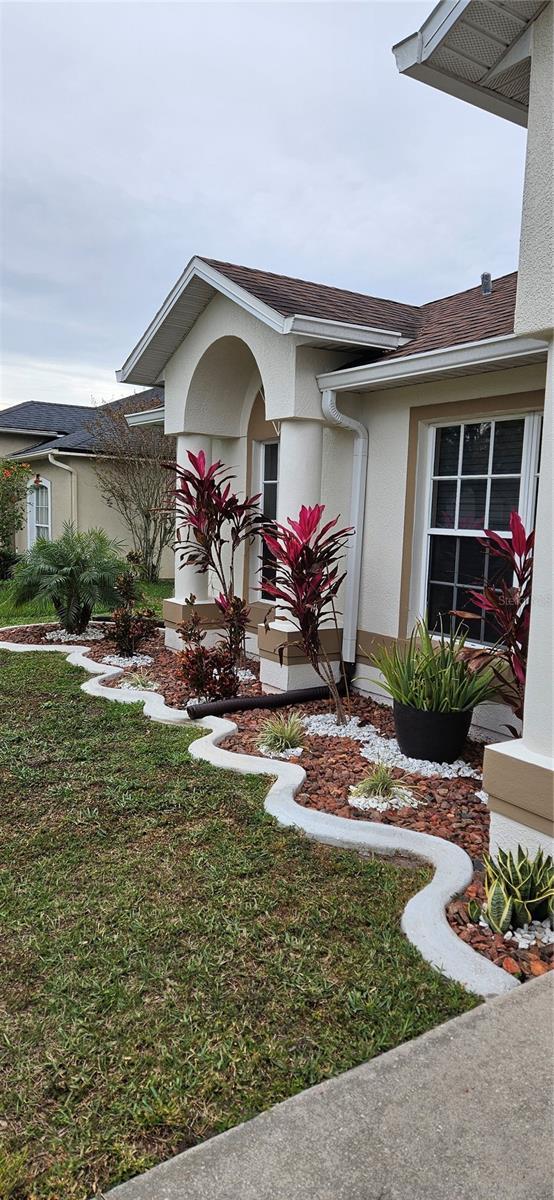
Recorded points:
421,425
58,441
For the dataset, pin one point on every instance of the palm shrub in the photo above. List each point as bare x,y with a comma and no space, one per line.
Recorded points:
430,672
518,889
73,574
282,733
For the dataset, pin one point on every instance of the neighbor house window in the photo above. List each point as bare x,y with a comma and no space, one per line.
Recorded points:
39,516
480,472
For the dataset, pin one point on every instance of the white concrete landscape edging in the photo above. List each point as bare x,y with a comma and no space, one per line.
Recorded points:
424,919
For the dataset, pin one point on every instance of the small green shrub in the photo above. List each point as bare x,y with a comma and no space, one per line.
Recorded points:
139,679
518,889
380,782
281,733
430,673
383,790
73,574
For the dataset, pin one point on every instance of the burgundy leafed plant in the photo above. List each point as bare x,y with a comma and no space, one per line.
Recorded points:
212,525
509,608
306,558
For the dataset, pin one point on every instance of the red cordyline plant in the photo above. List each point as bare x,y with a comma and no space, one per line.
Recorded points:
306,558
509,608
212,525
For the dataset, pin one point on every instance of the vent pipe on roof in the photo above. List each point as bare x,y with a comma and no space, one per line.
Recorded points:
486,283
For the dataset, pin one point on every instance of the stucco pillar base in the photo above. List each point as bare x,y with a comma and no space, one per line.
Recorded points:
175,611
520,784
283,664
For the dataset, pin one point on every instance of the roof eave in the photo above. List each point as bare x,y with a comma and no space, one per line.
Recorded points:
471,93
501,351
413,55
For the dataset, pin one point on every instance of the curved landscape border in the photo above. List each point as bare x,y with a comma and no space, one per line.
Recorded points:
424,920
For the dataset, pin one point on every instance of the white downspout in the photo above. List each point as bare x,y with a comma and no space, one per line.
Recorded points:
357,508
73,486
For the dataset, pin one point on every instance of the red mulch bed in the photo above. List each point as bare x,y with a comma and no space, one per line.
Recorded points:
449,807
525,964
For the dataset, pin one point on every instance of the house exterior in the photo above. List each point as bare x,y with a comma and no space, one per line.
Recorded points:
59,444
420,425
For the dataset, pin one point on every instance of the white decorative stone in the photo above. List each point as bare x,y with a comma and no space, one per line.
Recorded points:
291,752
400,797
121,660
385,750
245,676
91,634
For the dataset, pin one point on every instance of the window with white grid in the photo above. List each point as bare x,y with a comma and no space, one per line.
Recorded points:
480,472
39,511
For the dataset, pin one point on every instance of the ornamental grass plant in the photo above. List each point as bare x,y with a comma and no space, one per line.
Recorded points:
431,673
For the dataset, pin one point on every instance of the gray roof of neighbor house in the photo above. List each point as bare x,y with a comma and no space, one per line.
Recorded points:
79,436
37,416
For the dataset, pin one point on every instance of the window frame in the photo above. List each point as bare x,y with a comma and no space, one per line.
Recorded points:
258,463
32,534
424,530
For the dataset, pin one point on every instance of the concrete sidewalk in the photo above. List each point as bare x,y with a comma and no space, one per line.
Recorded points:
462,1113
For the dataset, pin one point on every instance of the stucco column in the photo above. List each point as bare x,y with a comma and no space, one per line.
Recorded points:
300,457
187,579
519,775
300,452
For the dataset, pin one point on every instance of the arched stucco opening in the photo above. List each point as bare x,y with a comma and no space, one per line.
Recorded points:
222,389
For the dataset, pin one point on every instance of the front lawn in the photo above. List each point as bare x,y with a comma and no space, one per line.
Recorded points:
29,613
173,961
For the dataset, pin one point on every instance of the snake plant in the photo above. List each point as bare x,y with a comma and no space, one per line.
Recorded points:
518,889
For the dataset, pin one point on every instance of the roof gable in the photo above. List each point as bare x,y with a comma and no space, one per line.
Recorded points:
325,315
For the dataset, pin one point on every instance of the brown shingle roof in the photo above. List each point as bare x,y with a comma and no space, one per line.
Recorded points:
465,317
290,296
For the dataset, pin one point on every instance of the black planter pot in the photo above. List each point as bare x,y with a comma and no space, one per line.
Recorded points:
438,737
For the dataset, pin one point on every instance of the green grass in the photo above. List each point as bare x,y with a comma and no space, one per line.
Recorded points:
173,961
33,610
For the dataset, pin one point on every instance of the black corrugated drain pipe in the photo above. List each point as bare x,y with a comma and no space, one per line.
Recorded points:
217,708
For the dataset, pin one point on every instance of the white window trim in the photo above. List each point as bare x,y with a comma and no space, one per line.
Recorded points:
424,493
257,486
31,511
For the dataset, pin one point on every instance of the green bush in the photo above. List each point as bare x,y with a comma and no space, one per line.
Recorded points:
430,673
72,574
281,733
518,890
380,782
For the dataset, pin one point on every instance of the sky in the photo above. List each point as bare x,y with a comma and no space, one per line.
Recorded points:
274,134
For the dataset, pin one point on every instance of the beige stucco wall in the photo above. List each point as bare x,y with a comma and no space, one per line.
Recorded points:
212,379
535,290
91,510
387,416
11,443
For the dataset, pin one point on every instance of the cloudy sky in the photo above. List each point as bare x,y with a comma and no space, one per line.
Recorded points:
278,135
